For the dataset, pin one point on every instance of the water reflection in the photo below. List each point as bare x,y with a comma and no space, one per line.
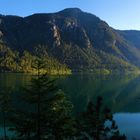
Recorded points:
120,93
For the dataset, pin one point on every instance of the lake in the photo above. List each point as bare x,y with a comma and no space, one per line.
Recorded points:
120,93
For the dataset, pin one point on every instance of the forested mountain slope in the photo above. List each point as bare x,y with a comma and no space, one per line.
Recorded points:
76,39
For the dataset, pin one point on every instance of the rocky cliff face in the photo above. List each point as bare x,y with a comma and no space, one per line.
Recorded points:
76,38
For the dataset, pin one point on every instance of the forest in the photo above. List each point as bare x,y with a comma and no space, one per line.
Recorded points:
13,61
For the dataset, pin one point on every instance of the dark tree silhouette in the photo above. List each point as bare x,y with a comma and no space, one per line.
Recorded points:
92,123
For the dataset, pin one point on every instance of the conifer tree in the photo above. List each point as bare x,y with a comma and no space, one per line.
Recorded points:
48,109
93,122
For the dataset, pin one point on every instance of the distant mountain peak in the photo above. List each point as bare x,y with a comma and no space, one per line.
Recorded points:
72,10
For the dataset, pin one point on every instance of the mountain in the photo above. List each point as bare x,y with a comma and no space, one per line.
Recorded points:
74,38
133,36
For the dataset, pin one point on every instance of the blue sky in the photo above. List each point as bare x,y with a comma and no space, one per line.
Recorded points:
120,14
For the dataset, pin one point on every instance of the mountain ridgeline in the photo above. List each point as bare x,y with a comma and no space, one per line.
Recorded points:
69,39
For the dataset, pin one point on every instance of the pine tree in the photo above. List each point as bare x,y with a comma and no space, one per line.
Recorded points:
60,118
48,109
93,122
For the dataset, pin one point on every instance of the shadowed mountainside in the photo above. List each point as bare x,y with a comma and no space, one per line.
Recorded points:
75,38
